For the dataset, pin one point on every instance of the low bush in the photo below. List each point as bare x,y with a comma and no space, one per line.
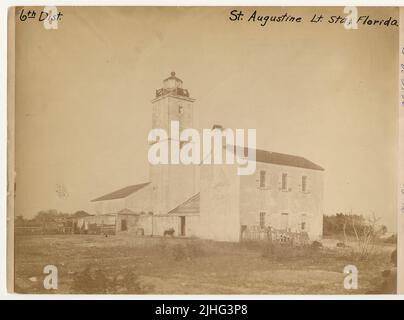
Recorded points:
96,281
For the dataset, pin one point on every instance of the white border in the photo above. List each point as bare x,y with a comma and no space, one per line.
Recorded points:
4,4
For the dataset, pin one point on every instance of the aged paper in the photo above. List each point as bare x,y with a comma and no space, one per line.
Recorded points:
203,150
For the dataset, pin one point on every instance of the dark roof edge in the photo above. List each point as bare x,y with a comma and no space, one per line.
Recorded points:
136,188
188,200
310,165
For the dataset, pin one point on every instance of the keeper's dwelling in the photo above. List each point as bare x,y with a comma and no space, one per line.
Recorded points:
212,201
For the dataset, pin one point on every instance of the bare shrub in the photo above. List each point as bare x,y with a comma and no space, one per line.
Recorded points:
366,237
315,245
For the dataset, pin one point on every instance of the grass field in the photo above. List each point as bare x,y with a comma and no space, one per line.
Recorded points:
142,265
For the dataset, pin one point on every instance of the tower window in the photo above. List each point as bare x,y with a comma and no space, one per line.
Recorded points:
180,109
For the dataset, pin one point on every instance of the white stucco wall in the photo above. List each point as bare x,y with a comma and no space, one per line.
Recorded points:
300,206
172,185
140,201
192,223
108,206
219,204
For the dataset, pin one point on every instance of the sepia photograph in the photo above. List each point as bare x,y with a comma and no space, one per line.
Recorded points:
203,150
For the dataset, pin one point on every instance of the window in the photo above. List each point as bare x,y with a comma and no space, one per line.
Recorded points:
284,181
304,184
262,178
180,109
262,220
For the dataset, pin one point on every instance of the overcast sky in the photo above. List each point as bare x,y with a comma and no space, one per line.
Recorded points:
83,97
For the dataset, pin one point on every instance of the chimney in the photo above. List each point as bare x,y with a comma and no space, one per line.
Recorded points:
217,126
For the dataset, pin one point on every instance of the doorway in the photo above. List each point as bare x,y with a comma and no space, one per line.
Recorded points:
124,225
182,226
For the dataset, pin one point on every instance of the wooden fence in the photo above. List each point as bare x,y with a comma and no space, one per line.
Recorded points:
281,237
42,230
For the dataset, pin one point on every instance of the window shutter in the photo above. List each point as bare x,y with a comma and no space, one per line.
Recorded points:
267,179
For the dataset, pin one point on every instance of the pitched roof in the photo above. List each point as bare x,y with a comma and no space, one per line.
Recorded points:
283,159
128,212
122,193
191,205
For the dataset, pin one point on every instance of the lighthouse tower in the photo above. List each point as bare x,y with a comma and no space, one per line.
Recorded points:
172,184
